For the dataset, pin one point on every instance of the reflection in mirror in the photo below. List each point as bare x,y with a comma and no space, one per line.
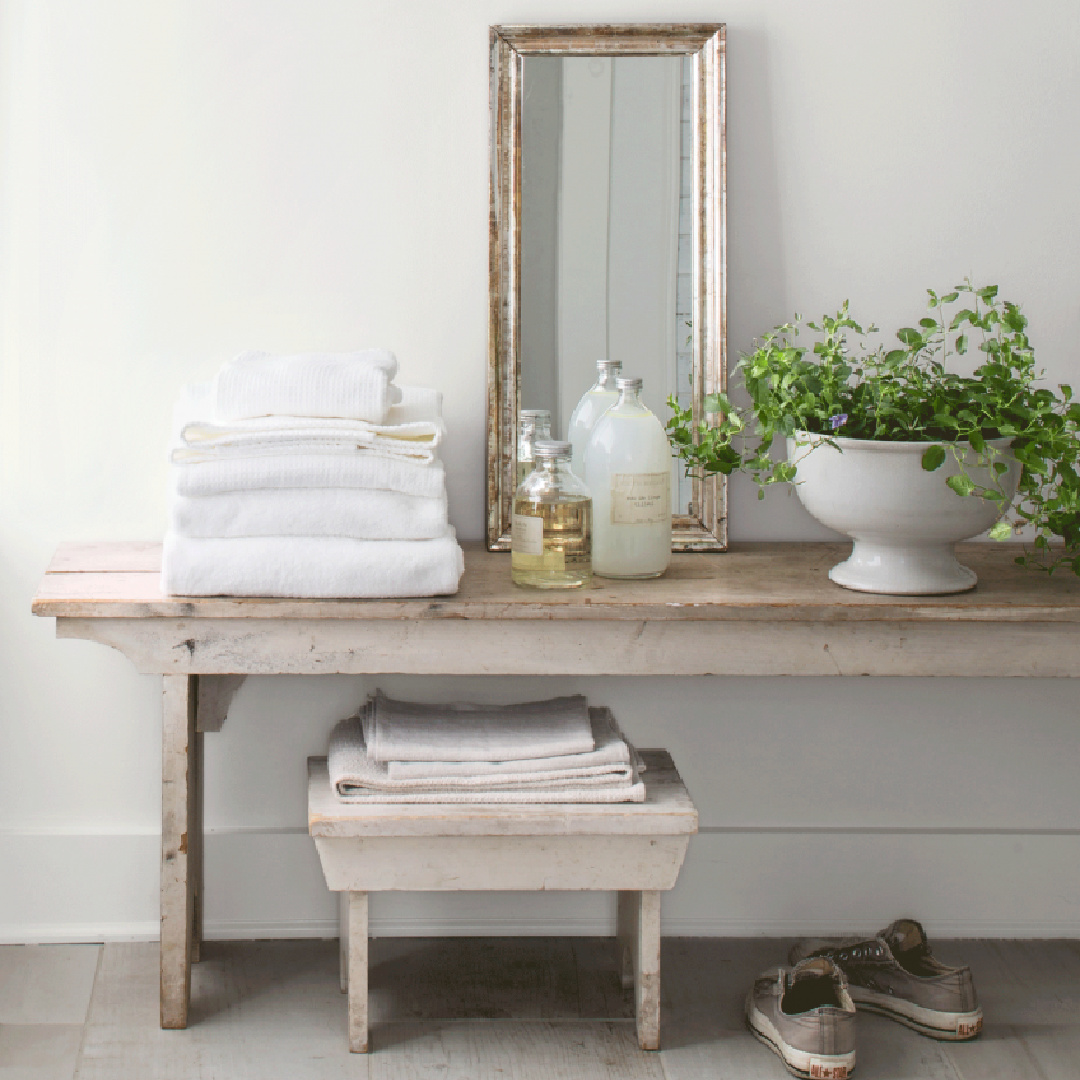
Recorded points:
606,230
606,236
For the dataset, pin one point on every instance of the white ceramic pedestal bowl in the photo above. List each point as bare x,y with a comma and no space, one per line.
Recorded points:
903,520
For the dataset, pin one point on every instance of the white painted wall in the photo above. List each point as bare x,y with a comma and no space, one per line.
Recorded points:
180,180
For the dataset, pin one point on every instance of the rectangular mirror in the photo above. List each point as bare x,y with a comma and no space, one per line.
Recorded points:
606,236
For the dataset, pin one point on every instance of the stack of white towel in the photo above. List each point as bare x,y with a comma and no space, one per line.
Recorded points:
554,751
309,475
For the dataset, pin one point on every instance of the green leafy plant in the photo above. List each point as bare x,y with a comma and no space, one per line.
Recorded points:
840,386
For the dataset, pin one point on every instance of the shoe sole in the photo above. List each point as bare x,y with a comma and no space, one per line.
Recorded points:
799,1063
947,1026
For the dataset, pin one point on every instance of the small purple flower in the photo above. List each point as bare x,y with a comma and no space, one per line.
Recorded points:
838,420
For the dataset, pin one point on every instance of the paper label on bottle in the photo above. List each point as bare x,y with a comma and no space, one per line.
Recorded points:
640,498
527,534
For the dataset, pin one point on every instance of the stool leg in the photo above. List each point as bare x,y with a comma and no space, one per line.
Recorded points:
639,938
626,915
358,972
343,940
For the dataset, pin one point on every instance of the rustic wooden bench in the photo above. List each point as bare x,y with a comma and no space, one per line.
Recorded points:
758,609
634,849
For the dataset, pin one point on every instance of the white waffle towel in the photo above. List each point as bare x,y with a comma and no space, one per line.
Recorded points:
367,470
413,430
360,513
462,731
354,385
310,566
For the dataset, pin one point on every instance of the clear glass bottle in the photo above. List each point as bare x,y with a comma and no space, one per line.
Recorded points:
593,404
551,530
533,424
628,471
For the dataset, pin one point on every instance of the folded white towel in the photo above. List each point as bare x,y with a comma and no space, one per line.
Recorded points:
310,566
413,429
368,470
462,731
360,513
414,445
354,385
356,777
611,756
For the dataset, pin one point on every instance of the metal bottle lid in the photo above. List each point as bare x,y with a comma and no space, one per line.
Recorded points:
551,448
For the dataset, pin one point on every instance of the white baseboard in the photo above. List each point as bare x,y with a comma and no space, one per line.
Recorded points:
268,884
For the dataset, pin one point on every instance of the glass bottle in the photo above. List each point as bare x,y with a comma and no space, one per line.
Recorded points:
593,404
551,530
533,424
628,471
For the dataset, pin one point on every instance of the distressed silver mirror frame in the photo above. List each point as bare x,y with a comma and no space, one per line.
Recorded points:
705,528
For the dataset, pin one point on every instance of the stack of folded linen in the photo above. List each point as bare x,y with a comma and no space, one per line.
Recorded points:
311,475
555,751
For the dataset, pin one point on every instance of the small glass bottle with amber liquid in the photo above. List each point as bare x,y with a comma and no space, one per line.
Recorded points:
551,529
533,425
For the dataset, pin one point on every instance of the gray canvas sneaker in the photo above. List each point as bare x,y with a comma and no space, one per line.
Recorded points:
895,974
806,1016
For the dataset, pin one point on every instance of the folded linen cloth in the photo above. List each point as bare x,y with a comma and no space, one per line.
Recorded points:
363,514
355,385
356,777
611,758
368,470
310,566
462,731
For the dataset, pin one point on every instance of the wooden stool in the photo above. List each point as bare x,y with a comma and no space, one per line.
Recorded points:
635,849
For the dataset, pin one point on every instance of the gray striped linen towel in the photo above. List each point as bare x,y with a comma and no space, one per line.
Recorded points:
463,731
356,778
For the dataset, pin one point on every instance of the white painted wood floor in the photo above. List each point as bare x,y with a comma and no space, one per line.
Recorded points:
483,1008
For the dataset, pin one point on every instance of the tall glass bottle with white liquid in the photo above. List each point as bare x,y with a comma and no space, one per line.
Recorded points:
551,530
628,472
593,404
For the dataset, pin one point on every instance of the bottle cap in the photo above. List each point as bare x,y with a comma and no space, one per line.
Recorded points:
551,448
628,384
610,365
536,414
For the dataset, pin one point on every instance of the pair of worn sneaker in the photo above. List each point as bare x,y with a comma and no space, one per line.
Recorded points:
806,1013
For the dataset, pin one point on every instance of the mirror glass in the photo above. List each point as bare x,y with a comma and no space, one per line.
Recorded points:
606,236
606,231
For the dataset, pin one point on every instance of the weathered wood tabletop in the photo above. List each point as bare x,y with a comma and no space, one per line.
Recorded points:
757,609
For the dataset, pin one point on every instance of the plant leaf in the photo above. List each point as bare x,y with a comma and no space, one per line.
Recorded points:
933,457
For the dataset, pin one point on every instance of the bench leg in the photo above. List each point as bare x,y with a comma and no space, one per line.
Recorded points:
358,973
638,931
195,844
179,765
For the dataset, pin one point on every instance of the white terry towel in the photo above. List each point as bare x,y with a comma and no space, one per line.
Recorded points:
462,731
354,385
610,762
356,777
310,566
364,514
413,429
368,470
